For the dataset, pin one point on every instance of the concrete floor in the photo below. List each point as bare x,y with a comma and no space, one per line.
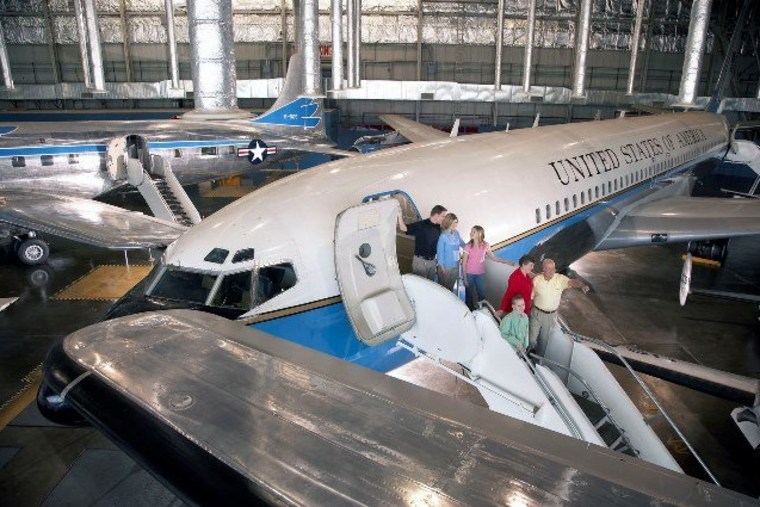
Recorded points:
634,300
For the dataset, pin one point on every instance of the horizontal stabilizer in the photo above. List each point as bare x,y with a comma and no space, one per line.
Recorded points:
414,131
681,219
86,221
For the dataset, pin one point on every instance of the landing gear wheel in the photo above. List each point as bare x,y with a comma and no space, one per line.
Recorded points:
32,251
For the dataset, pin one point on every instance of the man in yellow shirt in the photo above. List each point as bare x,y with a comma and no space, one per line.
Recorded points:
547,293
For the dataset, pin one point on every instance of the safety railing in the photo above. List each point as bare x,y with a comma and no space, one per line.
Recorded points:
579,337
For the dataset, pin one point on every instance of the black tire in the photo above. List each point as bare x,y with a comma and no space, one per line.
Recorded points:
33,251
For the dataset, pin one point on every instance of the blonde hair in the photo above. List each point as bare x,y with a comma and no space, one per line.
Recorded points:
448,221
480,231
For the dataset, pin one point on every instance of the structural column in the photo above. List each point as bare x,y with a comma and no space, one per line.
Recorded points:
499,44
4,61
529,45
581,49
82,33
695,47
93,38
635,41
213,58
172,42
337,44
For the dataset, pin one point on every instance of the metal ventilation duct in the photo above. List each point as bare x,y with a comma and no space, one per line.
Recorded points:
337,44
93,37
312,73
499,44
635,42
695,47
529,45
172,42
213,57
350,43
581,49
4,62
82,32
357,43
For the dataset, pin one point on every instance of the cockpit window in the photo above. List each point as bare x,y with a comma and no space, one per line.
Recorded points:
246,254
273,280
217,255
234,291
184,285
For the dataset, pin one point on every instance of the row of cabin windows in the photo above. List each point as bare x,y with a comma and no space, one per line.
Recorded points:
621,183
47,160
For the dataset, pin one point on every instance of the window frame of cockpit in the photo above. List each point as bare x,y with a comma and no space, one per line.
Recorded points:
252,268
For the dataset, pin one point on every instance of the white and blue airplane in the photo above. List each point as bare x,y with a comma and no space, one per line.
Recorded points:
312,258
49,172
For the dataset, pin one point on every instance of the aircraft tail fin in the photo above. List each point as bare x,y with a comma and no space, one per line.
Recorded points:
292,109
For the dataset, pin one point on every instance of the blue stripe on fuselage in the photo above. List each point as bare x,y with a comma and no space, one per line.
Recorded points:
328,330
65,149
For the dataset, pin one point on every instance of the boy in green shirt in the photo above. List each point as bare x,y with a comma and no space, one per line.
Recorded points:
514,325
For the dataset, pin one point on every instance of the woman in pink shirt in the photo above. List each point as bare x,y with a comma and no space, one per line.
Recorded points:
474,261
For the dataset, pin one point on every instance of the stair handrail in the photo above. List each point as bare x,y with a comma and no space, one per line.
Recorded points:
579,378
579,337
556,402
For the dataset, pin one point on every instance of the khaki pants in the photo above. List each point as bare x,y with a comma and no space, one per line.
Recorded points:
541,326
423,267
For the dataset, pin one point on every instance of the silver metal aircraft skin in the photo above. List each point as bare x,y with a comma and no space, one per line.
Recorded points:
225,414
70,162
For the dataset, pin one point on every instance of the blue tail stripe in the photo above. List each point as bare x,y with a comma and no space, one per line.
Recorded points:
302,112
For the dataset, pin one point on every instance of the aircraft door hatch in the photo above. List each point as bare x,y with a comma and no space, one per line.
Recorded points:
368,274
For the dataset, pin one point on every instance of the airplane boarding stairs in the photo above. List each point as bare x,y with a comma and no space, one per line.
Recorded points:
566,389
162,191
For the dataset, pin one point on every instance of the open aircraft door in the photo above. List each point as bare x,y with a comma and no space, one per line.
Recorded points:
368,273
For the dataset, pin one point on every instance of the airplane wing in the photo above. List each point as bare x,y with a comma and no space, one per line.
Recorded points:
412,130
86,221
680,219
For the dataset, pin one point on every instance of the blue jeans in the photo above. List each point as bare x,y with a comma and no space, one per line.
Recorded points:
475,290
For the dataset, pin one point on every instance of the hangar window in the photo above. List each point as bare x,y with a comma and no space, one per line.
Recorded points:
567,204
209,151
538,216
217,256
18,162
245,254
46,160
73,158
271,281
556,208
548,211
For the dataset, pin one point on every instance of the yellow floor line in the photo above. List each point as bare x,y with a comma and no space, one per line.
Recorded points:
19,401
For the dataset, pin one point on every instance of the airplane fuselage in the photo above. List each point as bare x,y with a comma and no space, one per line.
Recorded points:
552,191
70,159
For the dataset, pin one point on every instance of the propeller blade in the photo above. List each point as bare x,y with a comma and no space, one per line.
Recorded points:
685,286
